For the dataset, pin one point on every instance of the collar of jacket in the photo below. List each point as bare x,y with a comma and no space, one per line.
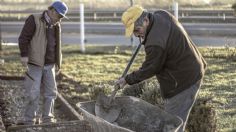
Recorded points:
150,17
44,19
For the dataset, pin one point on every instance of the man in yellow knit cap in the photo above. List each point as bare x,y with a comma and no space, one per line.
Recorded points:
171,56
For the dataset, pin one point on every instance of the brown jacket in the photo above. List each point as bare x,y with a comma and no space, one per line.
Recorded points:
36,43
170,55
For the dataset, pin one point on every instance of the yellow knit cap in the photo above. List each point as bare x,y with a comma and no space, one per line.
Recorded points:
129,17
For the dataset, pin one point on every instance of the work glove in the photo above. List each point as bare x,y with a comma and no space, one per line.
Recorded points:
120,83
24,61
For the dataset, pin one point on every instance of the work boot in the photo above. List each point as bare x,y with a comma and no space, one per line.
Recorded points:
38,120
49,120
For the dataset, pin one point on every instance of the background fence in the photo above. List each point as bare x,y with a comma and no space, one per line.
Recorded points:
216,16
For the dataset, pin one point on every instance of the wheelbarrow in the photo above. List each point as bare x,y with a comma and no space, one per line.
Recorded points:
136,115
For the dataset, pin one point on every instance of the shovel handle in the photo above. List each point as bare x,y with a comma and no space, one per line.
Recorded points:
132,58
117,87
113,94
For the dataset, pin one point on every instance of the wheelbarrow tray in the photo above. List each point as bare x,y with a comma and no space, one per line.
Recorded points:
136,115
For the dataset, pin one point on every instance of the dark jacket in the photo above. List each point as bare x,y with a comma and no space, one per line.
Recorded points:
170,55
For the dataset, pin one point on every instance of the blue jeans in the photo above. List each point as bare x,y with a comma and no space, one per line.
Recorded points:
37,79
181,104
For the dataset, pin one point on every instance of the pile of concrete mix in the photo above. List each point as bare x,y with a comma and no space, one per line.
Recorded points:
140,116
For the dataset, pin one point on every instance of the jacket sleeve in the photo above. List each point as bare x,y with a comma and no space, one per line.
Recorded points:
150,67
26,35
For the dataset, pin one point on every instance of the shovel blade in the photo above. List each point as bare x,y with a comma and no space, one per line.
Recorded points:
105,109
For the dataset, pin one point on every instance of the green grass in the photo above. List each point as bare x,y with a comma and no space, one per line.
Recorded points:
101,66
98,67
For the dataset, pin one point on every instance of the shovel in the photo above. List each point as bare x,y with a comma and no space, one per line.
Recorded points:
106,107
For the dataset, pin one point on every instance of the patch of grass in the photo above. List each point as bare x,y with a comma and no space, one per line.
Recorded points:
98,65
101,66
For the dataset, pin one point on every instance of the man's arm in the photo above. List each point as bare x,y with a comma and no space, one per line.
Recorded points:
26,35
151,66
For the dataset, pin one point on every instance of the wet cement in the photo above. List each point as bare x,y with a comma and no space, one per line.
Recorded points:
140,116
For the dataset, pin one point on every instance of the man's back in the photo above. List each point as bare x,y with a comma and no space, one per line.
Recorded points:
183,64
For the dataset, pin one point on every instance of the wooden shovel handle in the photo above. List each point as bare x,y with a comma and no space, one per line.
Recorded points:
113,94
117,87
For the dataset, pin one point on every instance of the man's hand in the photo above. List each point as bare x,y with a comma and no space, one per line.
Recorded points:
24,61
121,82
57,70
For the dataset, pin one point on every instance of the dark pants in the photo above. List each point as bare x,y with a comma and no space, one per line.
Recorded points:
181,104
